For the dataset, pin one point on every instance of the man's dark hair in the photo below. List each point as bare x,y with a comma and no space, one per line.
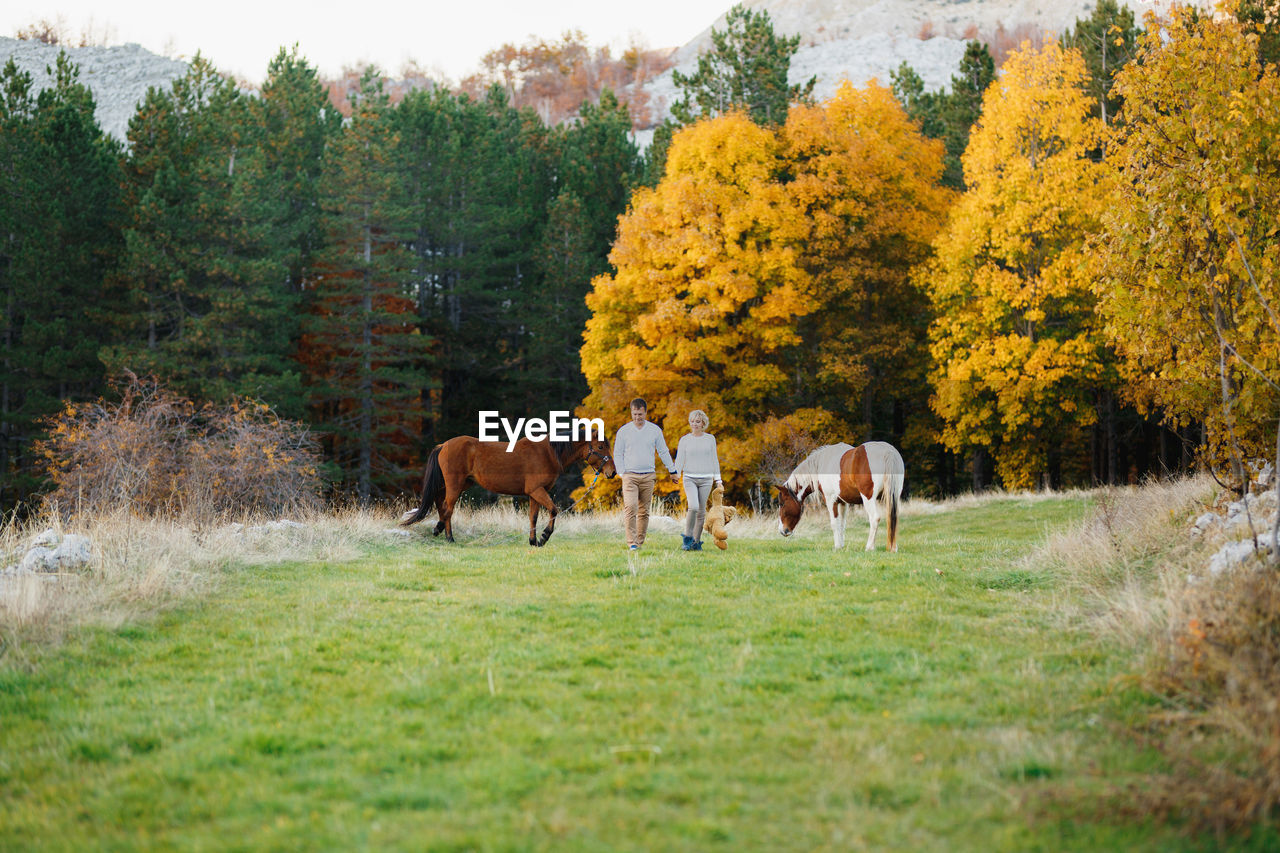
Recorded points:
639,403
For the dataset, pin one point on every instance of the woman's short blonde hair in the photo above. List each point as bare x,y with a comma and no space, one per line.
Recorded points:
698,414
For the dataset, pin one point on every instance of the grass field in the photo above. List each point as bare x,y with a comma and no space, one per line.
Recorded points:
489,696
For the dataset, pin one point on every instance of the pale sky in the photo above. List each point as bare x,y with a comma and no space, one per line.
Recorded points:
449,36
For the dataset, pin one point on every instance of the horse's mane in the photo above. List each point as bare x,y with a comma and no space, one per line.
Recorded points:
824,460
562,449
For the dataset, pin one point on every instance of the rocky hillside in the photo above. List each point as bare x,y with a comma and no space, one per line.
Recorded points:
865,39
854,39
118,77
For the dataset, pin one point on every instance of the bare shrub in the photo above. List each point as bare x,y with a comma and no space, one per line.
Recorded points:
927,30
785,446
156,453
58,32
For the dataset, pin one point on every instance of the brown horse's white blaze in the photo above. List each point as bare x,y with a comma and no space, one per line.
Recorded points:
870,474
529,469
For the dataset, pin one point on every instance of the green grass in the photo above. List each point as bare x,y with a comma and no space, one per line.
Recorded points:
777,696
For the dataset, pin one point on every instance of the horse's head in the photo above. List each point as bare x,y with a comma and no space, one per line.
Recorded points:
790,508
596,454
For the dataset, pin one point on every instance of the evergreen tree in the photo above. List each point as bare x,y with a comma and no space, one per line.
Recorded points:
298,122
597,165
1108,40
745,70
363,346
948,116
963,107
925,108
476,178
211,244
59,241
653,162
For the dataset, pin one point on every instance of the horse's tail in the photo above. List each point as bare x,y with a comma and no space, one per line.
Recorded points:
432,486
893,494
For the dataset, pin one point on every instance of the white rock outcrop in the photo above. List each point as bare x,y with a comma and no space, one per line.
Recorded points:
118,77
52,552
1237,528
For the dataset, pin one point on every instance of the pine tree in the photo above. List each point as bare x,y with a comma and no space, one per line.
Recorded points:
363,347
597,164
1108,40
59,242
476,184
948,116
209,248
746,70
297,123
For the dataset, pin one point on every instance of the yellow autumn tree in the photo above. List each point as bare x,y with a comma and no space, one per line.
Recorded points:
1015,344
868,184
1188,257
707,287
766,277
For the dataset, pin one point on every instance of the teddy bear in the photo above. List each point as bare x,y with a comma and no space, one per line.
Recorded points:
718,515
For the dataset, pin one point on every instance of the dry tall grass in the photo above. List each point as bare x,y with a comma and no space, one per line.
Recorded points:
1208,646
141,566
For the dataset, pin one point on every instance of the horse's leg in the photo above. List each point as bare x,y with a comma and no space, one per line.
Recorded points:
451,494
873,518
837,529
536,497
533,521
439,514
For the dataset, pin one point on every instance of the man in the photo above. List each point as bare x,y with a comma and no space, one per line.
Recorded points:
633,447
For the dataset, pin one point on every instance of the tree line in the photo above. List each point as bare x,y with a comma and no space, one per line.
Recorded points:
379,277
969,274
1058,276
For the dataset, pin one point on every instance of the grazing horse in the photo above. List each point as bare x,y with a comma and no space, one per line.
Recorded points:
529,469
869,474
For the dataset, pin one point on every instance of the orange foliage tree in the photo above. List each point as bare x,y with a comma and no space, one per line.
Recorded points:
754,246
867,184
556,77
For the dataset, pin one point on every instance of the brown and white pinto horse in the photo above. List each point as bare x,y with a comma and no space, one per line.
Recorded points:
870,474
529,469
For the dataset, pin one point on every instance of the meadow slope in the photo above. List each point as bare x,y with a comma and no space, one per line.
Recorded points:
489,696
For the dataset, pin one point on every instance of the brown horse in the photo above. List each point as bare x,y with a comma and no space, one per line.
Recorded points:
869,474
529,469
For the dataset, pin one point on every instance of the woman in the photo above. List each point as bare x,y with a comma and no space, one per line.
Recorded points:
699,467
